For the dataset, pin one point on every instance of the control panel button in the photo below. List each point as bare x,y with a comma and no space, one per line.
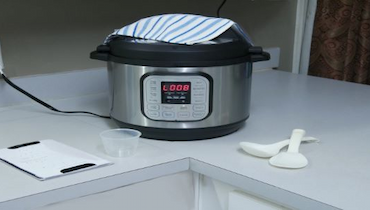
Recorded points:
153,89
183,108
197,92
199,95
199,107
153,83
183,115
199,82
199,88
199,115
199,100
168,115
153,107
168,107
153,95
154,114
153,100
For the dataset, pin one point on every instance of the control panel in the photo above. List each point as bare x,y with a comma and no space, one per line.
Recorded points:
175,97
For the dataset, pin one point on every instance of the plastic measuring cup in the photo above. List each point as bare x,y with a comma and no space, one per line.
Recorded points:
120,142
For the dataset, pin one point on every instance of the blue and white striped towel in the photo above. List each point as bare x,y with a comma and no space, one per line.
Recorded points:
177,28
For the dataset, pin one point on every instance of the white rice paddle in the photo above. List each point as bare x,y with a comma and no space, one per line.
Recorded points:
291,158
269,150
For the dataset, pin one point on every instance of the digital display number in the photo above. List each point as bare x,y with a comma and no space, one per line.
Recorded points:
176,92
175,87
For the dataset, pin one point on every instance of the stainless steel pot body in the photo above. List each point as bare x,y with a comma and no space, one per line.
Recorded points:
229,95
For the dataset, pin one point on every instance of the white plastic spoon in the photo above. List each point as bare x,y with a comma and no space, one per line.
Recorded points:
291,158
269,150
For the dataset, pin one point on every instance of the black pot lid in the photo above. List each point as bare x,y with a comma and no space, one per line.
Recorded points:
227,49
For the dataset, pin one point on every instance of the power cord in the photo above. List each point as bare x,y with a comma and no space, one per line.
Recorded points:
42,102
36,99
219,8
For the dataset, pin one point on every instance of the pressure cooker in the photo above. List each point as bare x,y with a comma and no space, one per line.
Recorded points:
180,92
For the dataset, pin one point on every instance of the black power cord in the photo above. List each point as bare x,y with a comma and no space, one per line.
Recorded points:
45,104
219,8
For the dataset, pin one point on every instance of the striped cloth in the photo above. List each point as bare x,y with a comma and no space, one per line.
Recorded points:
177,28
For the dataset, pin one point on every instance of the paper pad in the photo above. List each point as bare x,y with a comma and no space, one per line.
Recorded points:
48,158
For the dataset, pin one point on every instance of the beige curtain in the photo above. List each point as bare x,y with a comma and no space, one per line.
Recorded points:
340,46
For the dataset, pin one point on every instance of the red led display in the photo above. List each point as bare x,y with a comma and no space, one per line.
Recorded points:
175,87
176,92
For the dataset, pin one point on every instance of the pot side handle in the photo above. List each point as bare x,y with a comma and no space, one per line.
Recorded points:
257,54
101,53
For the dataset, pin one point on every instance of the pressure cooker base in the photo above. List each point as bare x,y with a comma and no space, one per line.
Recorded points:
183,134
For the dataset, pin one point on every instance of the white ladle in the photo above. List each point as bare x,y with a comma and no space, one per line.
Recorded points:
291,158
269,150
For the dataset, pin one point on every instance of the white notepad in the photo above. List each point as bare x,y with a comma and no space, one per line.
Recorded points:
47,159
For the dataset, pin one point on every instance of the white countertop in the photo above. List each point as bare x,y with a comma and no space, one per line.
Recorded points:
337,177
